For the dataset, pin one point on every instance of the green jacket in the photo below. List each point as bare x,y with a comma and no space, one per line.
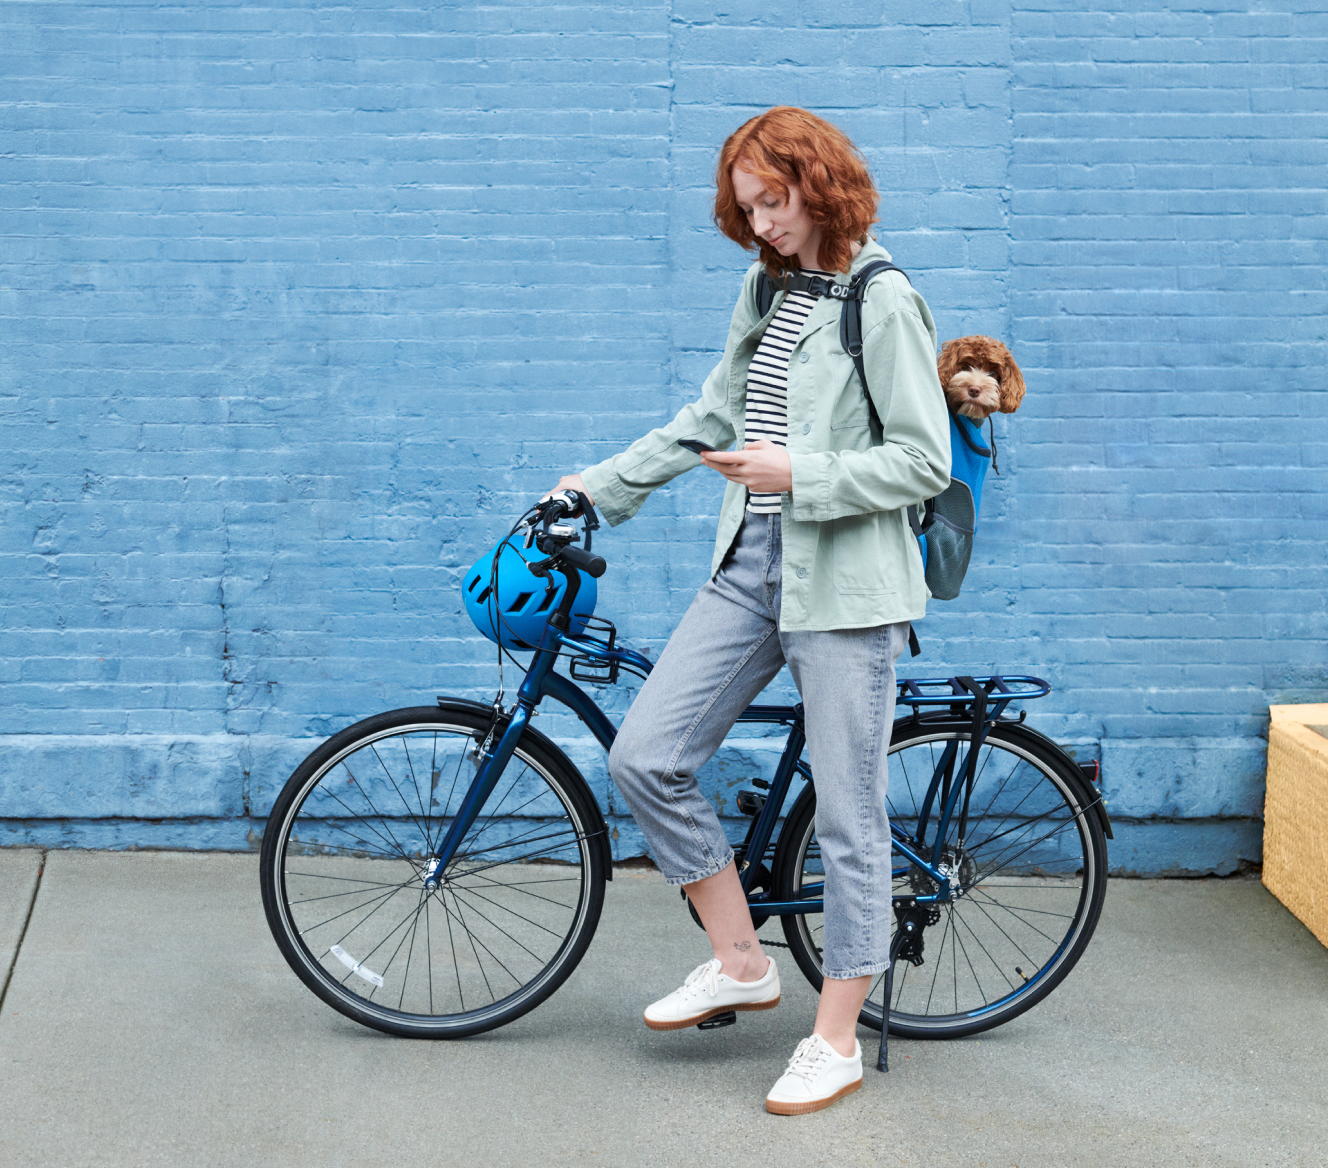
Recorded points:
850,559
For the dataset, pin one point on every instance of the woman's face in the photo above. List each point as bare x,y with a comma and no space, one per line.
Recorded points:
783,223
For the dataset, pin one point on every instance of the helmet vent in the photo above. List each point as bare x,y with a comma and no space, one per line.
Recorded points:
511,604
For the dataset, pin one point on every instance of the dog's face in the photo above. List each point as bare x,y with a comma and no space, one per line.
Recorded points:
975,393
979,377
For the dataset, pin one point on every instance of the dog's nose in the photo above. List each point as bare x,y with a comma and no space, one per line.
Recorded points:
974,391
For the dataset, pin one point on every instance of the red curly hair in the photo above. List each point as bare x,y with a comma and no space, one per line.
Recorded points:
787,146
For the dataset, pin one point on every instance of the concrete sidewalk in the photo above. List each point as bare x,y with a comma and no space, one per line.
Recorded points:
150,1020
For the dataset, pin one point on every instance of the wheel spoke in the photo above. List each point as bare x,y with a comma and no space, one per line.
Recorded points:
497,928
520,916
535,855
404,802
382,898
470,936
959,919
936,965
424,814
408,931
982,907
389,840
516,841
516,886
348,892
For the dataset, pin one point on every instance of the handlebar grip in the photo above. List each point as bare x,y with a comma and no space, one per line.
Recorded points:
557,508
587,562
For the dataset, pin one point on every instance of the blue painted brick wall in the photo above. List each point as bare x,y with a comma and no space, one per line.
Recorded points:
300,305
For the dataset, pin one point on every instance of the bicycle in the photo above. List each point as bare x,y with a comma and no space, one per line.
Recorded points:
438,871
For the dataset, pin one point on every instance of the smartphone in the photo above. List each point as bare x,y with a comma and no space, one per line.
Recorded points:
697,447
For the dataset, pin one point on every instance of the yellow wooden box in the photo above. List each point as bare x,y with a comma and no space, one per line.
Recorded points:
1295,814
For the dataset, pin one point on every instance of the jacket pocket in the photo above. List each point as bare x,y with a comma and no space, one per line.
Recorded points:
850,411
859,555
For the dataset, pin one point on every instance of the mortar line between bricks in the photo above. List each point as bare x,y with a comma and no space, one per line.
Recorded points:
23,932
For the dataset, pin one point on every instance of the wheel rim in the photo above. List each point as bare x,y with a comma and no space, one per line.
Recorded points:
491,937
1028,873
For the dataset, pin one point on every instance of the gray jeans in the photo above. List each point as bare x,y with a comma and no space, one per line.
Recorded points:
726,650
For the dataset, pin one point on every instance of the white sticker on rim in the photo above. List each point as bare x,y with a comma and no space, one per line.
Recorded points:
355,967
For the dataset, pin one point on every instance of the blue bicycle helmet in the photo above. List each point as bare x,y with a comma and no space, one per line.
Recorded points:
512,606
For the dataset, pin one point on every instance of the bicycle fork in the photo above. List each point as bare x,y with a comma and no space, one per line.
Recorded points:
493,760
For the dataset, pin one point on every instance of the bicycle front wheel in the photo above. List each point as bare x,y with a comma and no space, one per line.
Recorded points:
1030,872
343,866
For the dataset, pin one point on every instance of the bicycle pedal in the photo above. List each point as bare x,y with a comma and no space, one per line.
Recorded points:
728,1018
750,803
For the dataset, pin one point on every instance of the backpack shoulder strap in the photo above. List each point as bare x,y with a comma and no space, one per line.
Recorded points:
765,293
850,320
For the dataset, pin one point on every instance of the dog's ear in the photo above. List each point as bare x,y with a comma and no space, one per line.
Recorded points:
947,365
1012,383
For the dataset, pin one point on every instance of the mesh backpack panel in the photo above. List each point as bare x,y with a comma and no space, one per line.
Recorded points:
947,532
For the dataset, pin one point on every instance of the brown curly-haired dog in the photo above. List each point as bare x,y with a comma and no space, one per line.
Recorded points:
979,377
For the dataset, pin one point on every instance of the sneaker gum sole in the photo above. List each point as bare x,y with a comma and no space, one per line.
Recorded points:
777,1108
697,1019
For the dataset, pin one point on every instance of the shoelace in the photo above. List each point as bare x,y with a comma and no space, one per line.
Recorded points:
709,973
808,1059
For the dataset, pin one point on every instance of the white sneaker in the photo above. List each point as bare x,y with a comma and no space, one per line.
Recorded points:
707,992
817,1075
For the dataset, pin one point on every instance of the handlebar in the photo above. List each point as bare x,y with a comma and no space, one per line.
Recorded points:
555,538
592,565
569,505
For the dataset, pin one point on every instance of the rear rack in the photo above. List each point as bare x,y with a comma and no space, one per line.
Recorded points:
991,695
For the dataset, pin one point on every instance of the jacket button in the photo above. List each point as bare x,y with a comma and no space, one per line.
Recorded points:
804,356
802,573
807,428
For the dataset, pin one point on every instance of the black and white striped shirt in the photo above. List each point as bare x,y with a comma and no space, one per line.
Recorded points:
767,383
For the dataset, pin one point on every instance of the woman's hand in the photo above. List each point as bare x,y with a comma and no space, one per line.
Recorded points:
572,483
758,466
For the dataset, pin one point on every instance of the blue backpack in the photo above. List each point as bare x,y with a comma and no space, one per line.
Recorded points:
946,524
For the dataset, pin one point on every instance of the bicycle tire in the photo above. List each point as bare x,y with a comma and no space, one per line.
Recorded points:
1035,858
342,874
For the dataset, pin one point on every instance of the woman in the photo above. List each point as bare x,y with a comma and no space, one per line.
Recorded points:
814,567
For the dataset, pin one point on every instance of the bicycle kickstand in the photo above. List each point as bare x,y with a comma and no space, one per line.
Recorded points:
882,1057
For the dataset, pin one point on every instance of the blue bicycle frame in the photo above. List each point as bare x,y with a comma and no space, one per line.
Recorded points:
984,700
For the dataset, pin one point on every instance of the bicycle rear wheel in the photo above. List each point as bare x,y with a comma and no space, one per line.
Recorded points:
343,863
1031,874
